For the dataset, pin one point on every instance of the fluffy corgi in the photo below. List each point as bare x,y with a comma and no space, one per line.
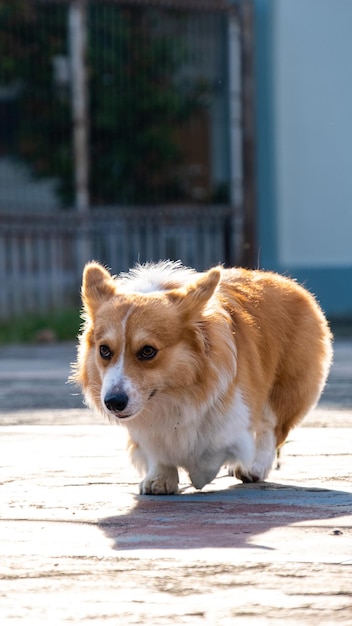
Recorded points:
203,369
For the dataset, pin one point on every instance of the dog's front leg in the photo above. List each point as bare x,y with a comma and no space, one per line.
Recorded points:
206,469
160,480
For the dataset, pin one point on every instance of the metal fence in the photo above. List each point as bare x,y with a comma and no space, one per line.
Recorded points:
41,258
121,102
140,106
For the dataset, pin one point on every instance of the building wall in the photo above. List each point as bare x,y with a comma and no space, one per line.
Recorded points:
305,144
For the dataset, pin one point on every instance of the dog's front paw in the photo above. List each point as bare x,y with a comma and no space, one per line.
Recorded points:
257,473
246,477
159,481
243,474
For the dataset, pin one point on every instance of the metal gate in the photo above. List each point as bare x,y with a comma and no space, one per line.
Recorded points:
134,118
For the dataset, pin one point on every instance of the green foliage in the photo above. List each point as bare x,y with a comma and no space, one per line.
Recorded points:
136,99
59,325
31,35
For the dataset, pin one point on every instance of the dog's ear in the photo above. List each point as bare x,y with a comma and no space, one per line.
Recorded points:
97,286
195,296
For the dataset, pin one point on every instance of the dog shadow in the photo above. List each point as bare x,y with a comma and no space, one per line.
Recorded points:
229,518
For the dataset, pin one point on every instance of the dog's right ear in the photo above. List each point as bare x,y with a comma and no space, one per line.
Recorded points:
97,287
193,298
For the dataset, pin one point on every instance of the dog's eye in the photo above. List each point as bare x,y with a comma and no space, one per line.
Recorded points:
105,352
146,353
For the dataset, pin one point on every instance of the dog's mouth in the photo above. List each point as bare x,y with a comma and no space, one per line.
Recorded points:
117,405
117,417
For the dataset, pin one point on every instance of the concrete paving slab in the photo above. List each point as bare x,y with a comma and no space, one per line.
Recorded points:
35,377
78,545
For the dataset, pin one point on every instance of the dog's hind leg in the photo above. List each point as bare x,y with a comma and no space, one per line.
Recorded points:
265,446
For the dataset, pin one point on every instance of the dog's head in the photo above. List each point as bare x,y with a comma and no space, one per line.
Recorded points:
138,347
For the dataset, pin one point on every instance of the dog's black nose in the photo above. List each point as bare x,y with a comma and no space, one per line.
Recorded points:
116,402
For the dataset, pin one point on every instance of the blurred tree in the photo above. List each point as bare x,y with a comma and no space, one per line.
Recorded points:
31,37
136,99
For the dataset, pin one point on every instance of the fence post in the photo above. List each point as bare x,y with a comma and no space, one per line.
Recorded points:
235,136
77,36
246,10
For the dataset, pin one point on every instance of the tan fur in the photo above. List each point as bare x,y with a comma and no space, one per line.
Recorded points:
241,357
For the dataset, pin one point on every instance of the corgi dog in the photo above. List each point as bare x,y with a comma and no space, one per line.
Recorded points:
203,369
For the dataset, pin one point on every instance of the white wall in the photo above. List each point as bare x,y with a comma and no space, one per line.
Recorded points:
313,131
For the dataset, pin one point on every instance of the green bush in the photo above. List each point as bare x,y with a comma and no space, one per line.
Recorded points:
56,326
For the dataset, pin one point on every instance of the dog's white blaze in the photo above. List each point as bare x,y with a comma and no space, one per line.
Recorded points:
114,377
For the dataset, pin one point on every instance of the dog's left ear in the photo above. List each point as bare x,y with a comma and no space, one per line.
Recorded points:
194,297
97,286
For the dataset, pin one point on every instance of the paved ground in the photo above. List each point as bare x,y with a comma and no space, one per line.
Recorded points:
78,545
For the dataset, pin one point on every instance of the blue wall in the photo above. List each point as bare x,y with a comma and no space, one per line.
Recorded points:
327,272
